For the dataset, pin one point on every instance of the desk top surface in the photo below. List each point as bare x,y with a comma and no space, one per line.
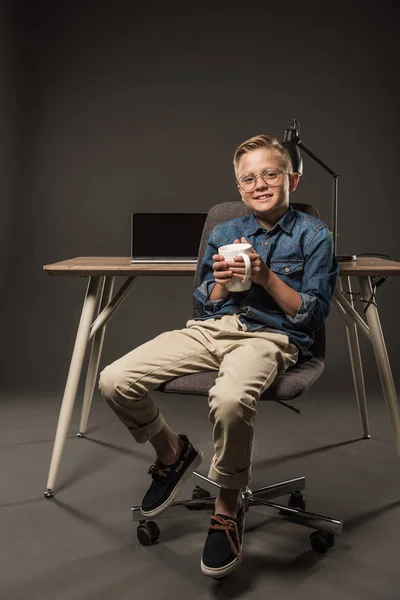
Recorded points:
85,266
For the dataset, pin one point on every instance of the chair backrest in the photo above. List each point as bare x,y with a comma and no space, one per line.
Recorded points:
229,210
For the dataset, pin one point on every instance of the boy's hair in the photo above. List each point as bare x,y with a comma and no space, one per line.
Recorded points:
263,141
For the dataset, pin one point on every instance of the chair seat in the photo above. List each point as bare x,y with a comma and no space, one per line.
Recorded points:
294,382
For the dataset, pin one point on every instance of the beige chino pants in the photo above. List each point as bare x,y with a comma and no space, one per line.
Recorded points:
247,364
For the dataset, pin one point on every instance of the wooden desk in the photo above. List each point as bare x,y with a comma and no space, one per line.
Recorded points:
102,272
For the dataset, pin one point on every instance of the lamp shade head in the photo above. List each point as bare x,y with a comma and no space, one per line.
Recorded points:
295,156
290,141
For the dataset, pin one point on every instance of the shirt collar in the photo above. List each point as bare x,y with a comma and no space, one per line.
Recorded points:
286,222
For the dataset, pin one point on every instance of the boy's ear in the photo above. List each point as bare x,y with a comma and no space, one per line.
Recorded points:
239,190
293,182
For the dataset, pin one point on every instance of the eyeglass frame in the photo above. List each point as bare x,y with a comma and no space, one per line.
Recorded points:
261,175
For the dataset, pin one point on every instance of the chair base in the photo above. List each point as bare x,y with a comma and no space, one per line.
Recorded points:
257,501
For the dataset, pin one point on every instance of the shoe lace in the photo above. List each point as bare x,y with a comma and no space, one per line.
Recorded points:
228,526
158,469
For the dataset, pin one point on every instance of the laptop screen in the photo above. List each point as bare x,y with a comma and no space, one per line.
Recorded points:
167,235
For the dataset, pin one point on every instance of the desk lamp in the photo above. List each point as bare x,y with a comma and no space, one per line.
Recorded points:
292,143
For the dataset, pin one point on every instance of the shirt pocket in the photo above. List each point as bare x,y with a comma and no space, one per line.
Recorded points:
290,271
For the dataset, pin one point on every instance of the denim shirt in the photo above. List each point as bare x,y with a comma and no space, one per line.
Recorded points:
299,249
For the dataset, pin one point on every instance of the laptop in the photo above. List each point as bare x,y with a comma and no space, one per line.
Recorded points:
166,237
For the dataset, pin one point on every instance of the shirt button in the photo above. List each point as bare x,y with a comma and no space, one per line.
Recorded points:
287,269
266,243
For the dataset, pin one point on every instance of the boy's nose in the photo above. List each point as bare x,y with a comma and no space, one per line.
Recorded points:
260,183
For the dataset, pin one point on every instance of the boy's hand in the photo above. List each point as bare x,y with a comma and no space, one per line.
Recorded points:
222,273
259,271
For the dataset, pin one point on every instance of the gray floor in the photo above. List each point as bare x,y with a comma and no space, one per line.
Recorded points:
82,544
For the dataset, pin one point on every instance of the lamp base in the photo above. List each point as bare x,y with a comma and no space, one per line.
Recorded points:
346,257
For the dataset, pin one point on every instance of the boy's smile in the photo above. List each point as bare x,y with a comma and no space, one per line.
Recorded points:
268,202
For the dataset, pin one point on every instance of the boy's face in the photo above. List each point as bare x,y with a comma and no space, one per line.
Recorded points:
268,202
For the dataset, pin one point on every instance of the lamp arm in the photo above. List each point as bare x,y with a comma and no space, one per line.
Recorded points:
334,192
323,165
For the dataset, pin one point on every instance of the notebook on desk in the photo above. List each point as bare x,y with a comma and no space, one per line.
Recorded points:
166,237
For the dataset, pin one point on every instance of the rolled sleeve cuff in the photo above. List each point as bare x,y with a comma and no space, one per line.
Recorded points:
202,294
305,311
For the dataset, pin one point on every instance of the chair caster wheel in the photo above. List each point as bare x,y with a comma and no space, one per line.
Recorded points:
148,533
48,493
81,435
297,500
321,541
197,494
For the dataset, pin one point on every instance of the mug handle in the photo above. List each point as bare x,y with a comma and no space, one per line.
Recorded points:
247,263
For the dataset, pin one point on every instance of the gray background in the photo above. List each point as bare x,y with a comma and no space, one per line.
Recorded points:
102,105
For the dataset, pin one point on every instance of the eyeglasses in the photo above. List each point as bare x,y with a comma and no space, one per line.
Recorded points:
271,177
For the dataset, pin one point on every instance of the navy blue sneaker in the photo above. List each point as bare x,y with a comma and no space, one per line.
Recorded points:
168,479
223,548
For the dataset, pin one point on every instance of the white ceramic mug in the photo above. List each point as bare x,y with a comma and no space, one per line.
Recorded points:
229,252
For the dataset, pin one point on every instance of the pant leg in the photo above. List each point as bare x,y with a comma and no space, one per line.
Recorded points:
126,382
247,369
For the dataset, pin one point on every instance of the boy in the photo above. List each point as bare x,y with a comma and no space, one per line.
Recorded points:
248,337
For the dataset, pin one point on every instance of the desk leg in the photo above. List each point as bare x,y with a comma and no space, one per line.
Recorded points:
94,359
71,386
355,359
382,360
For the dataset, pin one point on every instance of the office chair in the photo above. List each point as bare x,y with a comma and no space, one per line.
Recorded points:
287,386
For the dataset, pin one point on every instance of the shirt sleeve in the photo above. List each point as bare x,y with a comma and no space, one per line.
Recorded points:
321,271
204,305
